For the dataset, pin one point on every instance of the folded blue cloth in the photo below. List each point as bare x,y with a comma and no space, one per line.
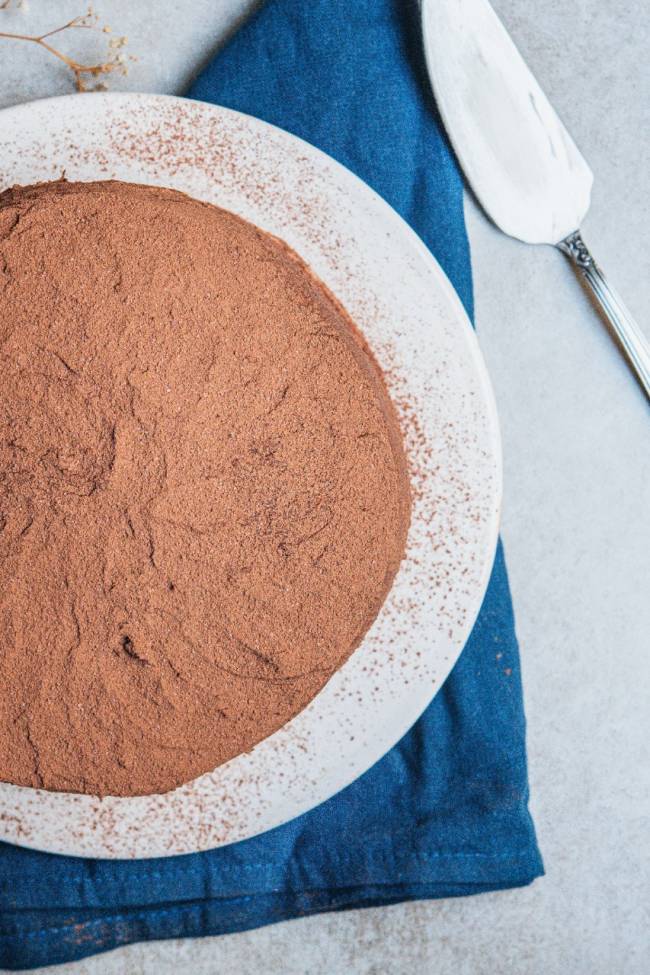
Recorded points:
445,812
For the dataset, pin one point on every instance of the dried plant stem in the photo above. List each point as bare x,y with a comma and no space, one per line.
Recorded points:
81,71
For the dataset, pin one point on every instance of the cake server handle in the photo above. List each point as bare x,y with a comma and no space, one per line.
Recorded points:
632,340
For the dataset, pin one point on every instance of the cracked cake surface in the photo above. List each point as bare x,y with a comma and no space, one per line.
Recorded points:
203,492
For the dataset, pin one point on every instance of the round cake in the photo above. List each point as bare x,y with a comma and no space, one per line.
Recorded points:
203,492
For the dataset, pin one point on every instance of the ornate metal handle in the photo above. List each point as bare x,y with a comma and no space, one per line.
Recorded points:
632,339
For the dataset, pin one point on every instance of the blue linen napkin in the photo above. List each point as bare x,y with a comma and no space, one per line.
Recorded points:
445,812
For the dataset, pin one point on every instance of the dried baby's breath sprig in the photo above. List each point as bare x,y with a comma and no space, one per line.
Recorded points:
116,62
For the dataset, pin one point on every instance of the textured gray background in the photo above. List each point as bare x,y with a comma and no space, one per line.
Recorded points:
577,471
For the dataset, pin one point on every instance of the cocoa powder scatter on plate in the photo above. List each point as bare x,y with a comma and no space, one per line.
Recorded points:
203,494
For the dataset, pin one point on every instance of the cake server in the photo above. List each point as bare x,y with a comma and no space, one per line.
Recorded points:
519,159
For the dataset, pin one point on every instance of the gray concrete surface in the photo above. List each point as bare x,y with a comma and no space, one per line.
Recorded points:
577,463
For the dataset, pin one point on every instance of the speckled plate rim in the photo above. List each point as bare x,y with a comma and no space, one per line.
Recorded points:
415,323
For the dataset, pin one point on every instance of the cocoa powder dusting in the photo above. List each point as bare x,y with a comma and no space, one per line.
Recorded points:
203,494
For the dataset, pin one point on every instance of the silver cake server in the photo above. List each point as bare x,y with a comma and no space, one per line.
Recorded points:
519,159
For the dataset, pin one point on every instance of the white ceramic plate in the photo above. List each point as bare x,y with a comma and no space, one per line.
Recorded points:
397,293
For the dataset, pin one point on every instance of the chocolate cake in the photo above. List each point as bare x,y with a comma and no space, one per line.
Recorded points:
203,493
